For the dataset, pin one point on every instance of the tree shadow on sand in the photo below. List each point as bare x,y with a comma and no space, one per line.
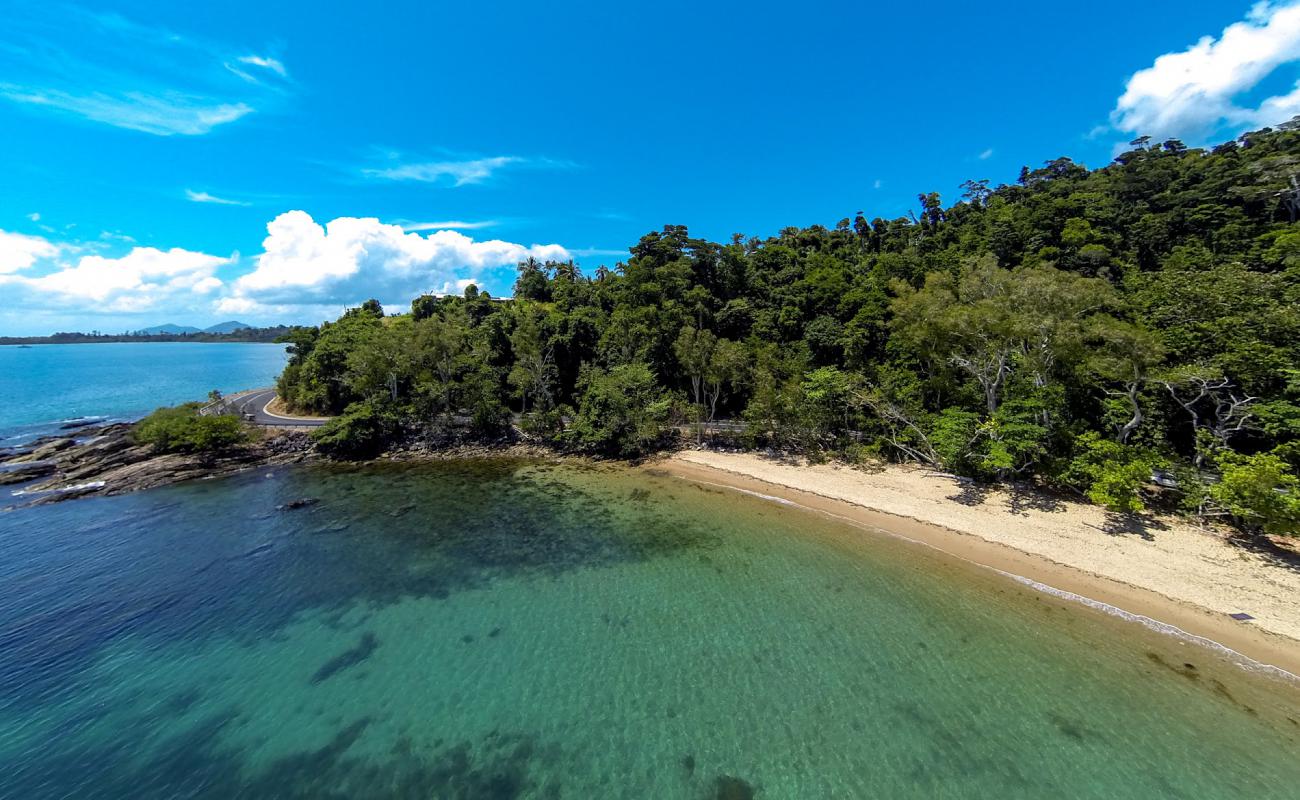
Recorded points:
972,493
1268,551
1031,498
1121,524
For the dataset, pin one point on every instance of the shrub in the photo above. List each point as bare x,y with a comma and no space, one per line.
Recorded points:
181,429
547,424
1109,473
623,411
1260,491
363,430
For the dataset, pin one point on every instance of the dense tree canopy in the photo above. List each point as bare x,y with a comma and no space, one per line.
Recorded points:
1083,327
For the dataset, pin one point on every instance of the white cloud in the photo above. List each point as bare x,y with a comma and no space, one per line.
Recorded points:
451,224
460,173
204,197
877,184
350,259
1194,93
105,68
137,111
306,271
18,251
144,279
34,217
265,63
986,155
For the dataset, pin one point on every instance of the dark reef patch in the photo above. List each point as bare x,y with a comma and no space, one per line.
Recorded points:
347,659
1070,728
195,764
728,787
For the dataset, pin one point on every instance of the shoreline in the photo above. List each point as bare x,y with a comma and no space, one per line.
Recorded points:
1047,544
1265,648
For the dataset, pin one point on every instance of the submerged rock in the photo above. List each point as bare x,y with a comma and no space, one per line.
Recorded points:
301,502
74,424
730,788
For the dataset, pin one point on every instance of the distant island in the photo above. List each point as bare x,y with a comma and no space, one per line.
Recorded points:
230,331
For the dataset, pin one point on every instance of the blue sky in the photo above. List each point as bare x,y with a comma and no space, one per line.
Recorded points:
275,161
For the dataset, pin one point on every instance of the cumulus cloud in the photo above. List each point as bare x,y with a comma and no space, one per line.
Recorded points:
1197,92
307,271
144,279
350,259
18,251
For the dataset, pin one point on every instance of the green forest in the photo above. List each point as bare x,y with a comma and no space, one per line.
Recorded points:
1130,334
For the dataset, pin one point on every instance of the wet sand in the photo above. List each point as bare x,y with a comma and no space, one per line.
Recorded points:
1163,573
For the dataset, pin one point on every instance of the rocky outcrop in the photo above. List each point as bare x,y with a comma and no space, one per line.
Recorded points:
108,461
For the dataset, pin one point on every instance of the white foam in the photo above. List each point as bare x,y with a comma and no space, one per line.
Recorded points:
76,487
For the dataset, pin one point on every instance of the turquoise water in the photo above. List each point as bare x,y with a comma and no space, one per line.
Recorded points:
503,629
44,385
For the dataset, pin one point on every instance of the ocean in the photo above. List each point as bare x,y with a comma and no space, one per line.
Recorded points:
44,386
519,629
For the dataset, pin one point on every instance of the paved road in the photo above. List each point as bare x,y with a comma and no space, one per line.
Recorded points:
252,407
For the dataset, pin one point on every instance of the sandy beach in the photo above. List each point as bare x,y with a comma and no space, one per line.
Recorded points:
1161,568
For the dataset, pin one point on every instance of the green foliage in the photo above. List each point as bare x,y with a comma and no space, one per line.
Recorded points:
622,411
1260,490
363,430
954,436
1068,326
1109,473
181,429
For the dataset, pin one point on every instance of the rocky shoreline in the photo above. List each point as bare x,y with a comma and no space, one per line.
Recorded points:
106,461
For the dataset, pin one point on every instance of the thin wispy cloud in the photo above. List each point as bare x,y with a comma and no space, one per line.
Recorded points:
112,70
1198,92
454,171
457,173
264,62
253,68
986,155
205,197
445,225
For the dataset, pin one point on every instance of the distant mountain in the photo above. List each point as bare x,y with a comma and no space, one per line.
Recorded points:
169,328
172,329
227,327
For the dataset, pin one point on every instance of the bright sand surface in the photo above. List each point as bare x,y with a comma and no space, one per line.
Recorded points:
1162,569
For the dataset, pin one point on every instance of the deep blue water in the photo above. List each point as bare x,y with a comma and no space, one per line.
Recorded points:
44,385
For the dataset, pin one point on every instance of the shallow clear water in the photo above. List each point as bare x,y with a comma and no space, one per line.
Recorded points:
44,385
502,629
